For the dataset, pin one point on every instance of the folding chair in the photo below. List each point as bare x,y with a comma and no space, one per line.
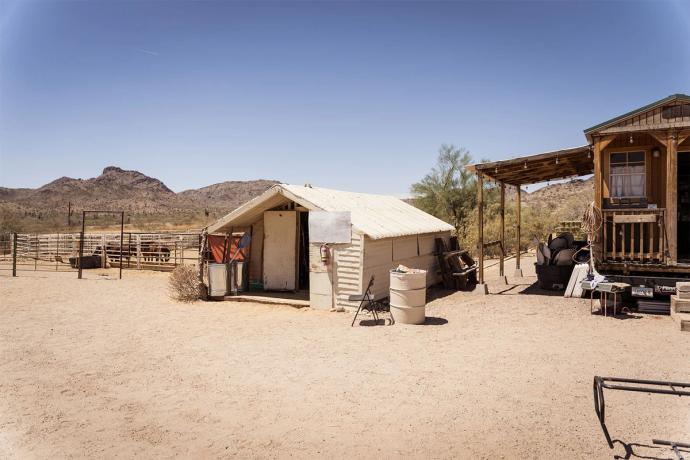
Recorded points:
366,302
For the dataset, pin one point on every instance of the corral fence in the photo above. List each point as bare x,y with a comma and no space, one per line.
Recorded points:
60,251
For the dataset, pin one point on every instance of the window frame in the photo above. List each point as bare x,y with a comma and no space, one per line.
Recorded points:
627,154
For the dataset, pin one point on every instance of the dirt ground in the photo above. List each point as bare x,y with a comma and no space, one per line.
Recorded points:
107,368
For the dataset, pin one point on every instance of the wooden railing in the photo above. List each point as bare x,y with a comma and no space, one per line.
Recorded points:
634,235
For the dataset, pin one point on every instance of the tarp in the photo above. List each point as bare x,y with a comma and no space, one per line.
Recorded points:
221,244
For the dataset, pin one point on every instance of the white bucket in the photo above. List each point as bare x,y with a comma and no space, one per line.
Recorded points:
408,281
408,315
412,298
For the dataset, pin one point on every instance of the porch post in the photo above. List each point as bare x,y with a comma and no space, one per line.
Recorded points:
598,240
518,225
671,219
480,221
481,287
503,228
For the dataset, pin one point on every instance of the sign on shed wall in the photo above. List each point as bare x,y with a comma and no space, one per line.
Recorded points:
330,227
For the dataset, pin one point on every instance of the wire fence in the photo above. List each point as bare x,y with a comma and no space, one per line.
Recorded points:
60,251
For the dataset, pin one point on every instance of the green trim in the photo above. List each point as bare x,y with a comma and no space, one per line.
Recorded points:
673,97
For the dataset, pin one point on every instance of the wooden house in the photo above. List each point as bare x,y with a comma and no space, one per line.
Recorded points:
641,166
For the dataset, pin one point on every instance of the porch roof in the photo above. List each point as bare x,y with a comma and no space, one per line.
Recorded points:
532,169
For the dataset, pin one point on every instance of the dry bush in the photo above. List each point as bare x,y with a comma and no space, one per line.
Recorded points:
184,284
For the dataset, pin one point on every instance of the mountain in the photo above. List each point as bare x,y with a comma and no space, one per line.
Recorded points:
146,200
227,195
567,200
580,189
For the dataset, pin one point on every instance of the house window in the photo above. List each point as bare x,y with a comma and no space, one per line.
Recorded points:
628,175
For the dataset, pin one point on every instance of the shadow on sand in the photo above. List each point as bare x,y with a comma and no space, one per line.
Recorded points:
630,451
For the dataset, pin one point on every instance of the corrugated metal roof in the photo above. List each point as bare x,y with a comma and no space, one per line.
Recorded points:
377,216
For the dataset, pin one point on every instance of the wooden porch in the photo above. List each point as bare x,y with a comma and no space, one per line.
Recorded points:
634,236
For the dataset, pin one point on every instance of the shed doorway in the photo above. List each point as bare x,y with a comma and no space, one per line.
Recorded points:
683,207
303,252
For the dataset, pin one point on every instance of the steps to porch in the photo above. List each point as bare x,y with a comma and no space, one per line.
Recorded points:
680,307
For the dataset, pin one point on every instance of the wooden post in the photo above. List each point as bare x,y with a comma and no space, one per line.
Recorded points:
518,226
598,179
14,255
503,228
122,239
671,221
104,257
138,251
81,243
481,287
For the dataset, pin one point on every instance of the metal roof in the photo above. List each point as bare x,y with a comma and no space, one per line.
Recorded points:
377,216
632,113
532,169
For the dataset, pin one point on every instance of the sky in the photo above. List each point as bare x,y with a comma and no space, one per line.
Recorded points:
347,95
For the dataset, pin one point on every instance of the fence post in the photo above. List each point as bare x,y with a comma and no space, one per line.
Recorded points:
81,253
14,255
104,257
138,251
57,250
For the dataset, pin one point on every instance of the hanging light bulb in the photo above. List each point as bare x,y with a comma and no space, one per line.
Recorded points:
631,139
556,160
496,169
525,165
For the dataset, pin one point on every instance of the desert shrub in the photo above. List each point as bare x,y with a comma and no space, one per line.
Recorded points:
184,284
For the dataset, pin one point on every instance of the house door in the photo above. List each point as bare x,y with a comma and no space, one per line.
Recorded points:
684,206
280,250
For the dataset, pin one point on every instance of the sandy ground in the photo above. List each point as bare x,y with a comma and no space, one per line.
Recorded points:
106,368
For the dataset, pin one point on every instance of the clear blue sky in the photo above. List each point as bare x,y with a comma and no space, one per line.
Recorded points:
350,95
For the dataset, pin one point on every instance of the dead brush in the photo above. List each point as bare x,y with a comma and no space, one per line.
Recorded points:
184,284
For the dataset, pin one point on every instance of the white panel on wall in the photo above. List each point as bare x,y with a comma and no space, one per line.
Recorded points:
330,227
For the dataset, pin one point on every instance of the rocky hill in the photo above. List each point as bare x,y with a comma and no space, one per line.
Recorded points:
147,200
581,189
566,200
226,194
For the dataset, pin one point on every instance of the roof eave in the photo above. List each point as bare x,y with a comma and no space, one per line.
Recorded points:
674,97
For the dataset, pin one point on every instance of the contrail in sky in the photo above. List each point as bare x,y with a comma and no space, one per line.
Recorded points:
152,53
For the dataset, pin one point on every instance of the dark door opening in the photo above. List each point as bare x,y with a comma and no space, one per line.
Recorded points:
303,264
684,206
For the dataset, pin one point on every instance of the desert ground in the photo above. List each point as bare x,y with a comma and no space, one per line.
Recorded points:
106,368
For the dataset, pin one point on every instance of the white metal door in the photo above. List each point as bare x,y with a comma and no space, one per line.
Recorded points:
280,250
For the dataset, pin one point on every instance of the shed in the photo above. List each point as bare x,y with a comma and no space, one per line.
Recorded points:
377,233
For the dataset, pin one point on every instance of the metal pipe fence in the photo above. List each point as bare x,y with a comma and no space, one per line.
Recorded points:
58,252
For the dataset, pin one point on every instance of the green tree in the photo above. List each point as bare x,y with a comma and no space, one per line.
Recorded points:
449,191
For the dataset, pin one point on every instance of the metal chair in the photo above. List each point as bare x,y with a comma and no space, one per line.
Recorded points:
366,302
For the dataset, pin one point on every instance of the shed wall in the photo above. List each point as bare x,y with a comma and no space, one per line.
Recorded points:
380,256
347,263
